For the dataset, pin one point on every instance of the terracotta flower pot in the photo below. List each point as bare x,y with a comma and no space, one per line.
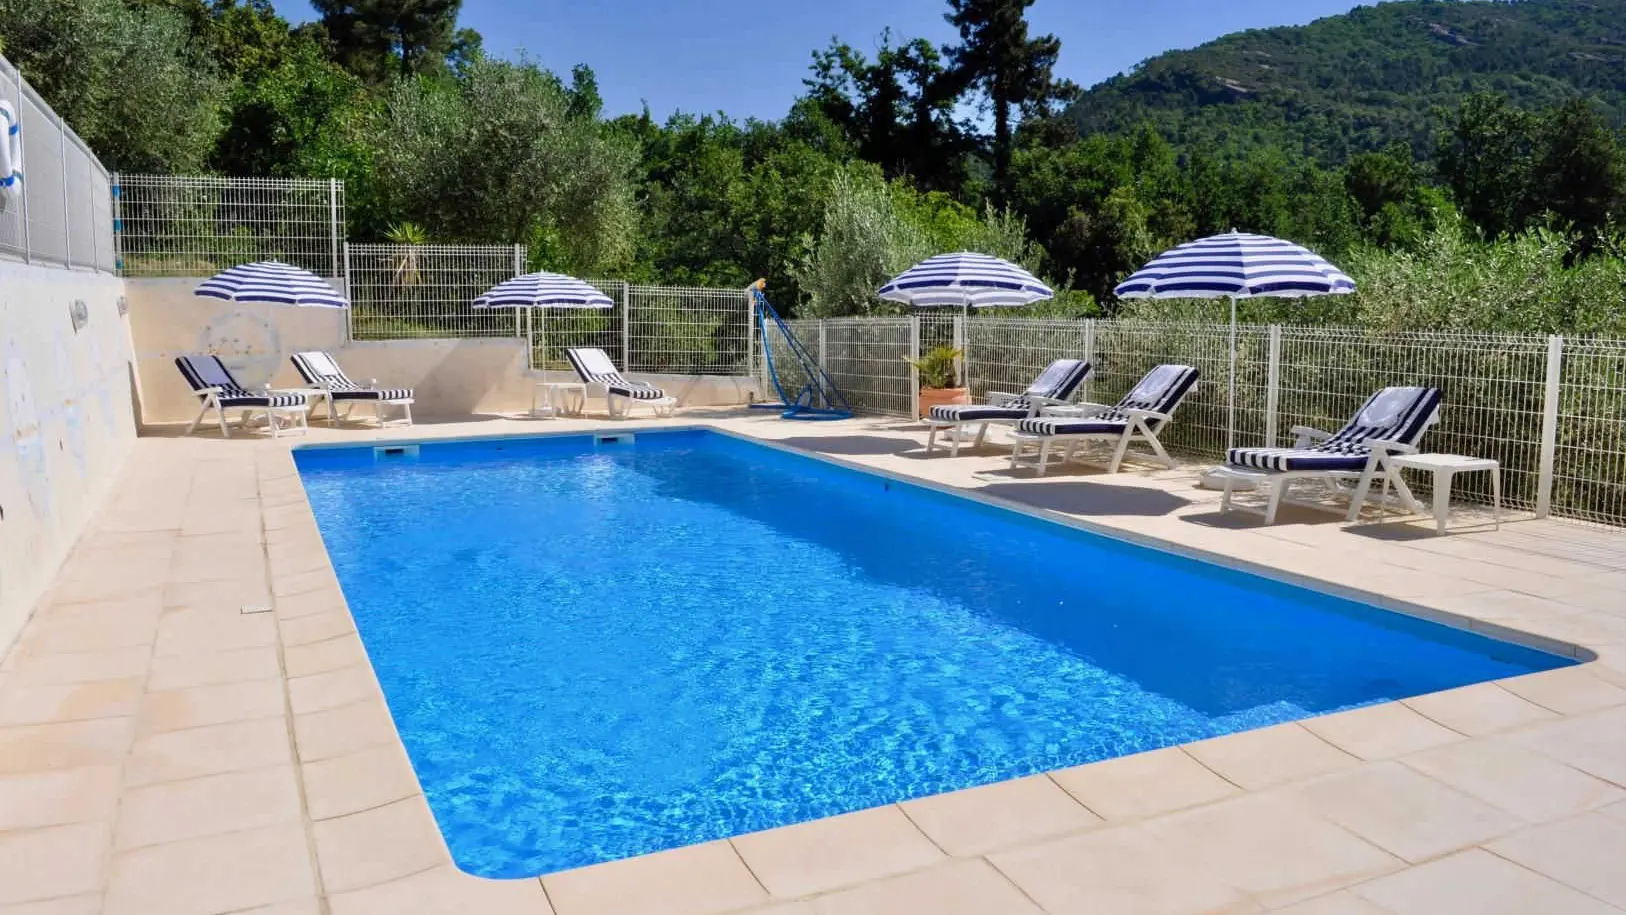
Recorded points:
933,397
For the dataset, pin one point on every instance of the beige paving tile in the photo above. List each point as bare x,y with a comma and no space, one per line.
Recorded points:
1482,708
978,820
694,880
223,873
1521,781
344,730
37,864
1119,869
214,667
39,747
1584,852
317,627
173,811
59,797
443,890
198,706
1270,847
956,888
288,584
1402,811
331,690
369,778
1380,731
1343,902
1143,784
1478,882
218,596
72,634
68,702
198,631
80,666
310,603
85,904
210,750
1270,756
1568,690
1594,743
836,851
385,843
295,907
322,657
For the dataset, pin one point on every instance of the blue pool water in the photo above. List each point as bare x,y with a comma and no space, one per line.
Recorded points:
598,651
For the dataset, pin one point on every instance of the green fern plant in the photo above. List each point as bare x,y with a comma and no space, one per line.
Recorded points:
939,367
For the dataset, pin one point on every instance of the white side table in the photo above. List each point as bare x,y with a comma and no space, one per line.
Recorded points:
561,398
1444,467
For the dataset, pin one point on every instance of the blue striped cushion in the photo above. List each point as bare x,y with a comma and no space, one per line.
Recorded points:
1160,391
950,413
1064,425
593,366
1396,414
374,394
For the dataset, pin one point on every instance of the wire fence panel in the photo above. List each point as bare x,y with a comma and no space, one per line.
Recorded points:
553,330
1589,475
865,357
688,330
169,225
64,214
777,358
1126,350
415,291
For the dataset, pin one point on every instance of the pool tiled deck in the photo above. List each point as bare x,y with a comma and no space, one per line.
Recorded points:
164,753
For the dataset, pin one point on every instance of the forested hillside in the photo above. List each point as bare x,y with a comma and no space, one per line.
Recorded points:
1358,82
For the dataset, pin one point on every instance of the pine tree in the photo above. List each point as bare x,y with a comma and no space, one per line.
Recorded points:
376,39
1013,70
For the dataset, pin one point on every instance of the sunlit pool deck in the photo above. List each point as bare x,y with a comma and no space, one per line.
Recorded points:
164,753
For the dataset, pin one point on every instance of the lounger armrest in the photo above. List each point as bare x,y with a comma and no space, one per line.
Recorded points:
1133,413
1080,410
1388,446
995,398
1309,435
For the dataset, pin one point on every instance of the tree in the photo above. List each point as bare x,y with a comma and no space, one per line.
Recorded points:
1578,176
492,154
376,39
133,82
1013,71
1486,155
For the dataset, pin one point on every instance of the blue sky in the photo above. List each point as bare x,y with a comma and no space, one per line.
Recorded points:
748,59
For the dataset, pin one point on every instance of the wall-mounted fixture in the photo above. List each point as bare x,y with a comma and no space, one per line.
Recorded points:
80,313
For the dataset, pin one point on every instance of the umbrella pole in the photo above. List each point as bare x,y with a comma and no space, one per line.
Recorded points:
1230,397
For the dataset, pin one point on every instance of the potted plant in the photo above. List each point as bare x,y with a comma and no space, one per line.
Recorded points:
939,370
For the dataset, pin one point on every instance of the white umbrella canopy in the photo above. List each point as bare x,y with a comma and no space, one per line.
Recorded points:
543,290
967,280
274,283
1235,265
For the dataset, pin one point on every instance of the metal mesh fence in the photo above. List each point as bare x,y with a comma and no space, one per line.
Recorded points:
1589,443
865,358
688,330
169,225
63,215
555,330
415,291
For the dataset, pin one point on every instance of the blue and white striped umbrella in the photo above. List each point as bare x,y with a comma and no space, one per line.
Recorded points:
1235,265
965,279
271,282
543,290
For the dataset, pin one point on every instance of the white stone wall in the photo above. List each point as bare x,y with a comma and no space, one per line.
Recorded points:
66,421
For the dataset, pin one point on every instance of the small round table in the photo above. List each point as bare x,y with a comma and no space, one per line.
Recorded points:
562,398
1444,467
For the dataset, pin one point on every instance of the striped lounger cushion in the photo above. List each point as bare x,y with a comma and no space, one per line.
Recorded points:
1057,382
209,372
323,370
1392,414
1160,392
594,367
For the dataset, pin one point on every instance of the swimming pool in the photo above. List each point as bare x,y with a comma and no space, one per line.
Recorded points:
596,650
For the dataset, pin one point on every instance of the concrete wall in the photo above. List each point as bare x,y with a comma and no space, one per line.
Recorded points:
452,378
66,421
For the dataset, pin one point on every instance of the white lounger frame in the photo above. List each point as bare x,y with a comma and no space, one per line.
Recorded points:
1036,403
1139,426
1334,482
210,400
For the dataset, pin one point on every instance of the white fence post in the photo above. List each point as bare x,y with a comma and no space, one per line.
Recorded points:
626,327
914,372
335,231
1273,384
1089,355
963,361
751,335
17,80
1549,426
349,296
67,207
822,346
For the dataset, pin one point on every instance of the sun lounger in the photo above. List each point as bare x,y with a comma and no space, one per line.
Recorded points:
217,390
1138,417
1053,388
596,371
321,371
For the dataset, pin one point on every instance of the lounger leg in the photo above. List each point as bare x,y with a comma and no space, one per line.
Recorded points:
982,433
1225,499
954,440
407,409
1044,456
931,438
198,419
1122,449
1363,488
1016,451
220,415
1277,489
